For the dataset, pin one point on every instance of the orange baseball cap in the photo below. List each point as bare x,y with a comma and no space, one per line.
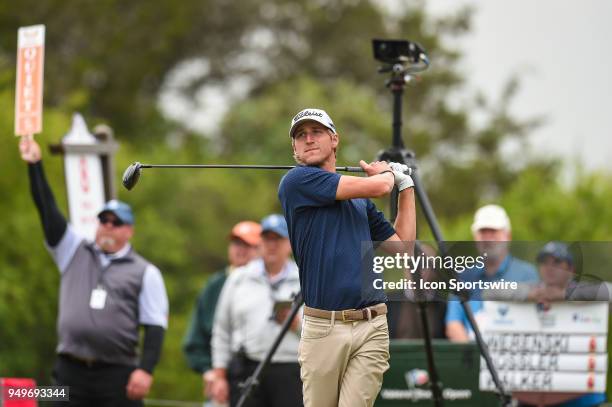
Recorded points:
247,231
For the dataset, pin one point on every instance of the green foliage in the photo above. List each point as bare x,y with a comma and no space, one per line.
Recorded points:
543,208
110,60
28,277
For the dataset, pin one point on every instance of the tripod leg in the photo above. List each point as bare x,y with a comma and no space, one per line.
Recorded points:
504,398
399,154
436,388
253,381
484,351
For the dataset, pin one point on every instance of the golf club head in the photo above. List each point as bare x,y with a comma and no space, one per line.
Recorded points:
131,175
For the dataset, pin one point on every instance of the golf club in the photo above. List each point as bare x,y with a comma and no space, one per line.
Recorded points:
132,173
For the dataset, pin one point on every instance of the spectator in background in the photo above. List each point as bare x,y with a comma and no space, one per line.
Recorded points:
244,246
492,232
254,303
107,292
558,281
558,273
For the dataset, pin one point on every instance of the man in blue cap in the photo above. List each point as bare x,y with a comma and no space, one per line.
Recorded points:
558,282
557,271
107,292
252,306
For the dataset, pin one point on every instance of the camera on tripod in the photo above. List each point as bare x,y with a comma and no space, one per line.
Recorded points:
397,51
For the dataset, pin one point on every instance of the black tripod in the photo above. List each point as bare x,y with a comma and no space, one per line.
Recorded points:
402,59
253,380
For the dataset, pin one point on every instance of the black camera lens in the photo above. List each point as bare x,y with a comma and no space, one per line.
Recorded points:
396,51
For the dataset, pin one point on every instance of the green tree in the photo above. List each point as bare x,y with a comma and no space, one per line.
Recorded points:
112,60
28,277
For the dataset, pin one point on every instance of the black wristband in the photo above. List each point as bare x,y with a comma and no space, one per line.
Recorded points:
152,346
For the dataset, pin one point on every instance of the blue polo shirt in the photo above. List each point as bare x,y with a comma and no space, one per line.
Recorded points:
326,237
511,269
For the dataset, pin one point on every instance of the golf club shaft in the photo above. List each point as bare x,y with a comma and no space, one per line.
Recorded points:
241,166
132,173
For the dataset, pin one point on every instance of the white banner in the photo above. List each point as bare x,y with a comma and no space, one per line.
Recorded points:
550,362
546,381
84,180
561,317
530,342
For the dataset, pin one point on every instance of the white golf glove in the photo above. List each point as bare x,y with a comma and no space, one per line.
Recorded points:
398,167
402,180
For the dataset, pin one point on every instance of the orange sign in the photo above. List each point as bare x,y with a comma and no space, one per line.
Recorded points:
29,89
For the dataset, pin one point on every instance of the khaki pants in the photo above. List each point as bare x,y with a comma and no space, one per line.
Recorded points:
342,363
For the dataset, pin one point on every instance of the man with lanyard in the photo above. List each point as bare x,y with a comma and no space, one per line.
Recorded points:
107,291
492,232
344,347
253,304
244,245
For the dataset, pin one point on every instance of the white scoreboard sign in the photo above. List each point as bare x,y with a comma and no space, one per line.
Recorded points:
559,349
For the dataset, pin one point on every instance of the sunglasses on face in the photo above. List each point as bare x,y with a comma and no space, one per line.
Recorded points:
116,222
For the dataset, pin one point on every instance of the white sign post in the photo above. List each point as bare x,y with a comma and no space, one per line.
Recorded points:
84,180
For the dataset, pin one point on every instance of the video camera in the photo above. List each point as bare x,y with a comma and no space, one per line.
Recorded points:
397,51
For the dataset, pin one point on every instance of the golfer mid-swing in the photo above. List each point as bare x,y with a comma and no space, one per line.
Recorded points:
344,347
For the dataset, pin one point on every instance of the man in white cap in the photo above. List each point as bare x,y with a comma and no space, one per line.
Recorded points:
344,347
492,232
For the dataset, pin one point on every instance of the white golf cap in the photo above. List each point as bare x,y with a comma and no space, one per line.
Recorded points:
491,217
317,115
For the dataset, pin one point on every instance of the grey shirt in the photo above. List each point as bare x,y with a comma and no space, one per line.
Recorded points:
245,311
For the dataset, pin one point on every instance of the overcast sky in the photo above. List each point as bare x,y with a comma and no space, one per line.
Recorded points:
562,49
